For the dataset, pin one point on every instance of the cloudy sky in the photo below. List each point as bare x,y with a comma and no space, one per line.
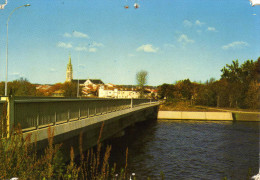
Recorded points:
171,39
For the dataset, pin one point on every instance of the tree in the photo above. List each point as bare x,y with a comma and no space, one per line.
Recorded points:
239,78
166,91
20,87
207,94
184,89
70,89
252,99
141,79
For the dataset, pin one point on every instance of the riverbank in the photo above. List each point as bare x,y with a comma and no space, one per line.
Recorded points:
185,111
209,116
185,106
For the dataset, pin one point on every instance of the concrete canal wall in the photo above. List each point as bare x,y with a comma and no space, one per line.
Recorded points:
214,116
238,116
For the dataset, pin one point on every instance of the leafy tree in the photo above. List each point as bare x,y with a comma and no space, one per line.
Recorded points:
70,89
21,87
184,88
141,79
239,78
166,91
222,95
252,99
238,87
207,94
233,74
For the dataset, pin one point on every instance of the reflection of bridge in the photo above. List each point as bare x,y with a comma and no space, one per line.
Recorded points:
69,117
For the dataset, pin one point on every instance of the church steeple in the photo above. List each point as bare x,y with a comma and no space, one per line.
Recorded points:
69,72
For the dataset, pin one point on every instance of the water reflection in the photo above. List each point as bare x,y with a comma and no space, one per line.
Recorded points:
190,149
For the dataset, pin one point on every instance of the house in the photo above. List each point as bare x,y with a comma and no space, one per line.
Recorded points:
106,91
87,82
89,86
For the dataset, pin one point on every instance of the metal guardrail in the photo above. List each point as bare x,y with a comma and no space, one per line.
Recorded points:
32,114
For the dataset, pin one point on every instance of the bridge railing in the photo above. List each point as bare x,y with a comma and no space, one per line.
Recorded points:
37,113
3,122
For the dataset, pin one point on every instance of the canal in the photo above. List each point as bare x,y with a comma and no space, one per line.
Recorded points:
189,149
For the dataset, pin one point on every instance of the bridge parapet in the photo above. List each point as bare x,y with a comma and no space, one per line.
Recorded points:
37,113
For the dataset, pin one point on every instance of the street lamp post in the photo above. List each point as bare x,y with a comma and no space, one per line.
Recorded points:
26,5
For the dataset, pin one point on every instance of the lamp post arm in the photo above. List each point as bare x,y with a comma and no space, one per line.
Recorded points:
13,12
7,45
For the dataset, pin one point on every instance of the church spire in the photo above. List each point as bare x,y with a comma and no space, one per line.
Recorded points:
69,59
69,72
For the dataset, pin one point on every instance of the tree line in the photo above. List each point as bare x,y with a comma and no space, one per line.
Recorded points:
22,87
238,87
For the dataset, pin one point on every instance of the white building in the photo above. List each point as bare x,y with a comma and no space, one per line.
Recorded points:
117,92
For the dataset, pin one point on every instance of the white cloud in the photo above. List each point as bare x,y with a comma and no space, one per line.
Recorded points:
84,48
76,34
81,48
79,34
187,23
147,48
184,39
96,44
212,29
235,45
92,49
199,23
64,45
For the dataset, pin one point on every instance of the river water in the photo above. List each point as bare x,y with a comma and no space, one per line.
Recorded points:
189,149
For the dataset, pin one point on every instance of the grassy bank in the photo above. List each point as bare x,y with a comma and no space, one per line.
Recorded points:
184,106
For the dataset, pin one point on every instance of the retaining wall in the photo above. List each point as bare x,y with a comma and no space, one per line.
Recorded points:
185,115
238,116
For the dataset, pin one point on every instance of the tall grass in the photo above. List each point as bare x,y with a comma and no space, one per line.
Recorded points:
19,158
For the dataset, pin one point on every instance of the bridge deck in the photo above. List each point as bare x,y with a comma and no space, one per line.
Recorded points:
115,122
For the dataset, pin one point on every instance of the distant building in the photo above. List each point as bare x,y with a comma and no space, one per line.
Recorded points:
89,86
109,91
97,88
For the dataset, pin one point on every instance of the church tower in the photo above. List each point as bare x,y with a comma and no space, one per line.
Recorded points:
69,72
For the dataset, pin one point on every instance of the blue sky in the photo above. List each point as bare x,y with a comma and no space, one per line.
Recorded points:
170,39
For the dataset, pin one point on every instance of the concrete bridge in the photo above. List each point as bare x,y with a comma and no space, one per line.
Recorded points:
70,117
